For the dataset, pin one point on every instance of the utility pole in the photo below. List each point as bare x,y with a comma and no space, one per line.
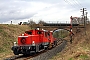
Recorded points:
85,22
86,17
83,12
83,16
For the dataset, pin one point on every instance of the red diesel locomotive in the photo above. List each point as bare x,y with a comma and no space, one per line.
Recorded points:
34,41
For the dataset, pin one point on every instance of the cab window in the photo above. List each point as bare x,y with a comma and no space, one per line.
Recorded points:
30,33
39,32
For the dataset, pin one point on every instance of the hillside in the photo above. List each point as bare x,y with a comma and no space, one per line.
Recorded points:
9,34
79,49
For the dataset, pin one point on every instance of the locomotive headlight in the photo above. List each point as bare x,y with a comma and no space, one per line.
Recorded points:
33,43
15,44
22,34
29,47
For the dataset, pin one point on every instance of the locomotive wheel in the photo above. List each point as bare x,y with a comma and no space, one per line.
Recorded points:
46,48
27,53
15,52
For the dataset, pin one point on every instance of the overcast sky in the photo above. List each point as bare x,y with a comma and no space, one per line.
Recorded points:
46,10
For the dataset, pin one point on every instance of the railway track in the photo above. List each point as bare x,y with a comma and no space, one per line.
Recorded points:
43,55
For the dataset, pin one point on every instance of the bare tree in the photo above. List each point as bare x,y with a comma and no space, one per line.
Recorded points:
41,22
31,22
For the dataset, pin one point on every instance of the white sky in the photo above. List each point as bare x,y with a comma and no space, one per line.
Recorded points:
46,10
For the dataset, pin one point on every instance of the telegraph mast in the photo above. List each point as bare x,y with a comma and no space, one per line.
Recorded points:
83,16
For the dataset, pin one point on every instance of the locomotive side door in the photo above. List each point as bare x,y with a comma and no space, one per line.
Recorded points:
40,36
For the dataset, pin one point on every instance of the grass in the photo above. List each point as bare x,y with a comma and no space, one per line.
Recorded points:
9,34
70,59
2,49
84,57
61,34
79,49
1,30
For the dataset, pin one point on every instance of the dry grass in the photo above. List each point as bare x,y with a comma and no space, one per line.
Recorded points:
9,34
79,49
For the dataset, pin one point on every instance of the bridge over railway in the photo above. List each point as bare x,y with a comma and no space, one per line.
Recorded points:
53,26
74,23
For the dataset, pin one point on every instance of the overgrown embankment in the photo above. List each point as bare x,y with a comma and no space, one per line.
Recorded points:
79,49
9,34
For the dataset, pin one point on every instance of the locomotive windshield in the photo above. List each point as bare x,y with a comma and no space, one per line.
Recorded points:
28,32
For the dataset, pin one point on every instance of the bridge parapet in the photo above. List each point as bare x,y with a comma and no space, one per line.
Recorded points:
54,25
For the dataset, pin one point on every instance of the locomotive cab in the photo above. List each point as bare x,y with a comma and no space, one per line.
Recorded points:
33,41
